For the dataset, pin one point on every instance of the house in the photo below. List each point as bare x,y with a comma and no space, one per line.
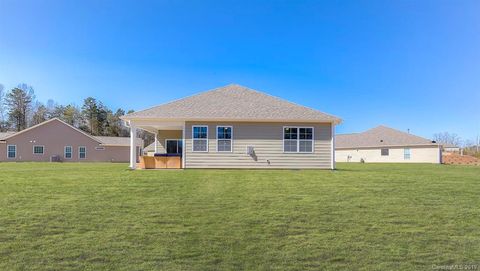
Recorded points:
384,144
58,141
447,147
238,127
150,149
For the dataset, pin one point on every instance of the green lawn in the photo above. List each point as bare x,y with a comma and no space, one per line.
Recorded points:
361,217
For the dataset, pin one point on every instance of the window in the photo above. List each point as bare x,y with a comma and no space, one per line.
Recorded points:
200,138
298,139
38,149
174,145
406,154
384,152
12,151
224,138
82,152
68,152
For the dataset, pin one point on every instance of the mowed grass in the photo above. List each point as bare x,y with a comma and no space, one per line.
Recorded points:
360,217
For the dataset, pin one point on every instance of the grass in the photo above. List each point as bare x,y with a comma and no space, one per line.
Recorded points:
360,217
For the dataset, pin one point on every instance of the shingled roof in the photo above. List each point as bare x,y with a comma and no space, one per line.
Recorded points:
380,136
5,135
117,141
233,102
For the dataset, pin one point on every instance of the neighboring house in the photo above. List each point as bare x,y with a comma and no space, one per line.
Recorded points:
237,127
384,144
150,149
59,141
447,147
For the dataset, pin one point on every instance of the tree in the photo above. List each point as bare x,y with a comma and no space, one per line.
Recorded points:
40,114
447,138
90,111
3,120
19,101
72,115
102,119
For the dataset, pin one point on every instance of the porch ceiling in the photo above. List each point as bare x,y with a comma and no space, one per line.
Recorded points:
154,126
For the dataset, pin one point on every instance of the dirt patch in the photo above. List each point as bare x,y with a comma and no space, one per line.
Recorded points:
457,159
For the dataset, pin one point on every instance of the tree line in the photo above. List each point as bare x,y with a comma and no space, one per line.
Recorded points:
19,109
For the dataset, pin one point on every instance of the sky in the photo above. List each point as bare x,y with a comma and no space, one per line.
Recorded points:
405,64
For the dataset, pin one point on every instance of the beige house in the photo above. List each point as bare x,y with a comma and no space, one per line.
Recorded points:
237,127
55,140
450,148
386,145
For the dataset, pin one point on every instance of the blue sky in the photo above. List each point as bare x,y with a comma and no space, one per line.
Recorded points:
405,64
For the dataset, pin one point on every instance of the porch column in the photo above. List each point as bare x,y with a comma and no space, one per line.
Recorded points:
156,142
133,146
333,146
183,146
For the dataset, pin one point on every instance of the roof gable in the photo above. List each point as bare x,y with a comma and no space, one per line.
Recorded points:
51,121
233,102
378,137
5,135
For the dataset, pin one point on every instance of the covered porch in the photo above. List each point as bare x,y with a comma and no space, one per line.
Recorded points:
169,145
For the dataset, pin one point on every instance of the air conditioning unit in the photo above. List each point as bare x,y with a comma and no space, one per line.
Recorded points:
55,158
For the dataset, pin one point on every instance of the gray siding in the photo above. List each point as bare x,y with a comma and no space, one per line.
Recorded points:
267,139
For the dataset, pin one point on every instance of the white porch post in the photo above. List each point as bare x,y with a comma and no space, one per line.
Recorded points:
333,145
156,142
183,146
133,146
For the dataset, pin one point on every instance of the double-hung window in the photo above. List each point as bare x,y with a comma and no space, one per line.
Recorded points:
38,149
406,154
68,152
200,139
11,151
224,138
82,152
298,139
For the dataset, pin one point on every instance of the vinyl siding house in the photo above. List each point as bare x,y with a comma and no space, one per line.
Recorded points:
59,141
237,127
386,145
446,147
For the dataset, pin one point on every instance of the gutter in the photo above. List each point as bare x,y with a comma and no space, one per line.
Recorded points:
387,146
127,119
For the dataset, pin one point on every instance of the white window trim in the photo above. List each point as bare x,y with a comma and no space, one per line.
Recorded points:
298,139
409,153
231,139
43,150
65,152
193,139
79,152
173,139
8,146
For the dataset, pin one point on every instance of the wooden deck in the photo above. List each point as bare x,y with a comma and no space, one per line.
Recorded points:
160,162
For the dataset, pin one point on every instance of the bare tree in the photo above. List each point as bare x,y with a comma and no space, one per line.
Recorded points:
447,138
